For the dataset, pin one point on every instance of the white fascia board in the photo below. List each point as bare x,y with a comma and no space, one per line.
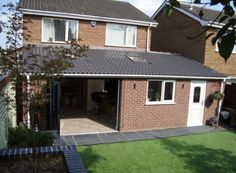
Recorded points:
231,77
216,24
159,9
202,22
138,76
87,17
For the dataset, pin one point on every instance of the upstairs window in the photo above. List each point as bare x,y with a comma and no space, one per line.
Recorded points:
160,91
217,48
121,35
59,30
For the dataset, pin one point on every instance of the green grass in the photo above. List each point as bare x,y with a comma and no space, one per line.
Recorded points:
204,153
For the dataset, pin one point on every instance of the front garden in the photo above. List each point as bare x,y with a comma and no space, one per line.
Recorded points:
211,153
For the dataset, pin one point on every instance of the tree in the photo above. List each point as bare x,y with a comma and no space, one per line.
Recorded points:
43,71
225,37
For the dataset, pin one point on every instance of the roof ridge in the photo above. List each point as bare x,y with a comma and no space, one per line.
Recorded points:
98,10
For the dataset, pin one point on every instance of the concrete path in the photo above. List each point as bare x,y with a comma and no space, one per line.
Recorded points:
103,138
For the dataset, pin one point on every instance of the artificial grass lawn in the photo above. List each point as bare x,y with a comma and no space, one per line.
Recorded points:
204,153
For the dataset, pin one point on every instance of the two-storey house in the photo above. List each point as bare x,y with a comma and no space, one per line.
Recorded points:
139,89
183,33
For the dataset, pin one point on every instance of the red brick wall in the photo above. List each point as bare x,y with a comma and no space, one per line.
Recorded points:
92,36
215,61
171,35
136,115
211,111
32,26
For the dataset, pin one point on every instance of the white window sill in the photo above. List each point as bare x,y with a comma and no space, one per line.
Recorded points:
160,103
56,42
120,46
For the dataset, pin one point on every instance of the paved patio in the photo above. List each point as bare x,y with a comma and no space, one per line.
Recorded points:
78,122
103,138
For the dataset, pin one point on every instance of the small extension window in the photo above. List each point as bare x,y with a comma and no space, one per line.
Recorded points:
160,91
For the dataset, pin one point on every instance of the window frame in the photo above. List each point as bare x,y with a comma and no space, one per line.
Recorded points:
217,48
126,38
162,101
66,29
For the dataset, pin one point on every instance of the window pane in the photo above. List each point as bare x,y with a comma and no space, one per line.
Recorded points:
115,34
72,28
196,96
60,29
154,90
48,30
168,91
130,35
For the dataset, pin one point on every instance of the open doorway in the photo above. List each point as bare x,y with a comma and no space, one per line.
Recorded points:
228,113
88,105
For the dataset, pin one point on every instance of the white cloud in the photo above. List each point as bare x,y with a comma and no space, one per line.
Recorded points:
149,7
3,18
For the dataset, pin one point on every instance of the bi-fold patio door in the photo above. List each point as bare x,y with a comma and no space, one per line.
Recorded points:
54,113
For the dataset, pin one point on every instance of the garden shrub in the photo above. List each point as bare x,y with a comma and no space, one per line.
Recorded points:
22,137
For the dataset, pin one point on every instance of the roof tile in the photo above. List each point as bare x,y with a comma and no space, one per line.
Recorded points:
102,8
116,62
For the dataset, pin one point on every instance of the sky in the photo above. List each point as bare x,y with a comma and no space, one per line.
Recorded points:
147,6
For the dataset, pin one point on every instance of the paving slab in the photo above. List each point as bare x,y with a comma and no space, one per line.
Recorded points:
148,135
132,136
112,137
103,138
88,139
69,140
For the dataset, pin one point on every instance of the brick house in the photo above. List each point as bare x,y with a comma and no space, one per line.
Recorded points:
141,89
173,35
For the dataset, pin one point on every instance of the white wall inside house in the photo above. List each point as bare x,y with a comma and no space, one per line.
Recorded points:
93,86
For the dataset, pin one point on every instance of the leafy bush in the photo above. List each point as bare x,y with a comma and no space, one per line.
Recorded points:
23,137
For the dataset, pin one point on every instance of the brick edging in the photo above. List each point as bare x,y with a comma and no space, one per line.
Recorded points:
72,157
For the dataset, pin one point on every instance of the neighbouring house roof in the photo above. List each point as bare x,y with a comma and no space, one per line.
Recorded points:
193,12
86,9
121,63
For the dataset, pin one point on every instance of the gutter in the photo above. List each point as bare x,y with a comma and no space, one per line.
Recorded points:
138,76
86,17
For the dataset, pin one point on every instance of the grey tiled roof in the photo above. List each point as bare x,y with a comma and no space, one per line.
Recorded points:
107,62
209,14
103,8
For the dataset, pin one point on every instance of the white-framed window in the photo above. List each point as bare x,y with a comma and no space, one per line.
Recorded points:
121,35
217,48
59,30
160,91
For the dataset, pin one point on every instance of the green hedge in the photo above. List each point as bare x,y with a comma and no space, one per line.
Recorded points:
23,137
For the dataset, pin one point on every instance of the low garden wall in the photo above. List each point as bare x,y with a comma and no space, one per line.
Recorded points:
72,158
